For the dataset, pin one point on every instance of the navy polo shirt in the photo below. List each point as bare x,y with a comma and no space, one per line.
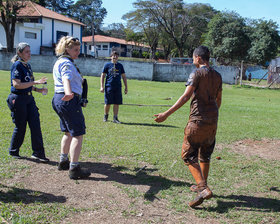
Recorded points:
23,73
113,74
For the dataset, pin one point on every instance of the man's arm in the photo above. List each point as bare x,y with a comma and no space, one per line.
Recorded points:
180,102
125,83
219,99
102,78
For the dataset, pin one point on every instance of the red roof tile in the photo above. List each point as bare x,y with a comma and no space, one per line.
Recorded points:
34,10
101,39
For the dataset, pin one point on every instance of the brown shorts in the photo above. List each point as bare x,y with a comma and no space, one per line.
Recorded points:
199,142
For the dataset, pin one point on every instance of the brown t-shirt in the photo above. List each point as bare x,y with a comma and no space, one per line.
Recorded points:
207,83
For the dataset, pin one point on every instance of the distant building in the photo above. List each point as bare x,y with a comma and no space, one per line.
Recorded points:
41,28
104,45
274,71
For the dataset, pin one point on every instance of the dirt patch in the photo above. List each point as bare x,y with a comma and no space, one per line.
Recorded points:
111,195
108,196
265,148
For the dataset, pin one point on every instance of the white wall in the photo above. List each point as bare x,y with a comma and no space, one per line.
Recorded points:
133,70
34,43
46,27
47,32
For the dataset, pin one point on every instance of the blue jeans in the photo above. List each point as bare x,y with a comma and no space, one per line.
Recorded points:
24,110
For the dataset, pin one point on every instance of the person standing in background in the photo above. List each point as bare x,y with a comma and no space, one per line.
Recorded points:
113,71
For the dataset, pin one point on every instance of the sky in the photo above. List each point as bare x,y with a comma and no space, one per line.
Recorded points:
254,9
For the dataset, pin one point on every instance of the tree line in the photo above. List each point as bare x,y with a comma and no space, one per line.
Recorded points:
172,25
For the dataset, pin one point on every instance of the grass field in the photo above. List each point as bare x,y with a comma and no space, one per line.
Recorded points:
246,113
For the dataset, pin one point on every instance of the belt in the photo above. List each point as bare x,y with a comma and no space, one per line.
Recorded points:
23,93
75,94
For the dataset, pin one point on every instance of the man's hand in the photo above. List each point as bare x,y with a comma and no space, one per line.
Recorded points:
161,117
102,90
125,91
68,97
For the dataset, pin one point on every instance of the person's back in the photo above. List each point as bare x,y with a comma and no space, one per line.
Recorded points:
207,82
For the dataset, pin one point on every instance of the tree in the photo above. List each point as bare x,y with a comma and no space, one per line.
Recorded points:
59,6
89,12
265,41
136,37
9,10
179,20
141,21
115,30
227,37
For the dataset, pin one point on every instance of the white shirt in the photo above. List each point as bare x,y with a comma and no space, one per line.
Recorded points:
65,68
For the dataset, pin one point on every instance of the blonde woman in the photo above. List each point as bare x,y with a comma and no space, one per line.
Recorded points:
22,104
66,103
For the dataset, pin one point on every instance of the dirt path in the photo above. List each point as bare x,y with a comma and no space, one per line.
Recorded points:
109,196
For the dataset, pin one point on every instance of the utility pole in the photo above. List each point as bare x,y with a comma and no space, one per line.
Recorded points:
241,72
93,42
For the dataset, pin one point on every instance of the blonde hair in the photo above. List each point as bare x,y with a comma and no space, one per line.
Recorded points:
21,46
66,42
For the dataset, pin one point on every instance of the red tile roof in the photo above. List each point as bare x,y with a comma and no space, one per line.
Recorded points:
102,39
34,10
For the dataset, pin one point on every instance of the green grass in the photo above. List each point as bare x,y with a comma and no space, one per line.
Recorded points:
245,113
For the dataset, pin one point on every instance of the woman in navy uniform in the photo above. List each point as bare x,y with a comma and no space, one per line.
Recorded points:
22,104
66,103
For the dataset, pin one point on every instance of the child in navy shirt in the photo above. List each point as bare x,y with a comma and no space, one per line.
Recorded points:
113,71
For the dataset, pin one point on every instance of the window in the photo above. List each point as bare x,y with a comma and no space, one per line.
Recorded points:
30,35
105,47
60,34
98,47
89,47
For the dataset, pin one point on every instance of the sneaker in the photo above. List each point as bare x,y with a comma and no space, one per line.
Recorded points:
116,120
16,156
105,119
64,165
78,173
40,158
201,196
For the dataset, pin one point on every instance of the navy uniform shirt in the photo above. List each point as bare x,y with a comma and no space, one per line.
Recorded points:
23,73
113,74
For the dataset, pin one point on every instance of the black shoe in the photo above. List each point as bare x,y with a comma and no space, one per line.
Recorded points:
64,165
78,173
15,156
116,120
105,119
40,158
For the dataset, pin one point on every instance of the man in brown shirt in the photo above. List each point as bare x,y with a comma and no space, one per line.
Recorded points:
204,86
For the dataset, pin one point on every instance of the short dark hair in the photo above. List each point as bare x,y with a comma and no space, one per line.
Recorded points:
203,52
114,53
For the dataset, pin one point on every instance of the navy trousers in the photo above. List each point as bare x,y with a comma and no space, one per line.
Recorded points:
24,110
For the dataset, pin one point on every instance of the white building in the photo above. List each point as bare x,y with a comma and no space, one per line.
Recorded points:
104,45
41,28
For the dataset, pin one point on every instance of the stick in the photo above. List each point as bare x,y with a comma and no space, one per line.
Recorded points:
138,153
141,169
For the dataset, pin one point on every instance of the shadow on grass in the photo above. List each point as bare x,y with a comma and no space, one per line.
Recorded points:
245,203
151,125
155,183
25,196
52,163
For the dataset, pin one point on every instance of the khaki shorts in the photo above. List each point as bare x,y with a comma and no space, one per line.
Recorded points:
199,142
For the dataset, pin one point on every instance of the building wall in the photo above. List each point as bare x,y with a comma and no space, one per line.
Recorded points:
133,70
48,29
